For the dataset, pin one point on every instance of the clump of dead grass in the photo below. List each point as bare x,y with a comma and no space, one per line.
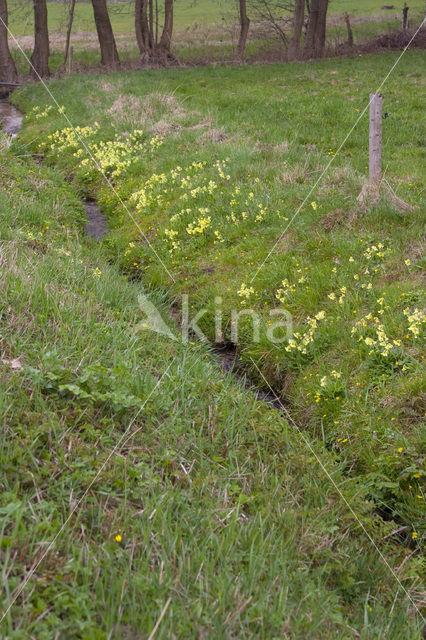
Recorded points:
218,136
337,218
148,110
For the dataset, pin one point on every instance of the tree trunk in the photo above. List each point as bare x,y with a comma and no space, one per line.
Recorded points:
319,48
162,52
151,21
143,32
299,17
244,29
138,25
146,28
166,36
8,72
315,35
156,23
308,47
68,36
40,56
109,53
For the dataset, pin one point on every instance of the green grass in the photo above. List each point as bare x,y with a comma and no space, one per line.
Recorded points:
222,504
205,488
274,135
187,13
369,7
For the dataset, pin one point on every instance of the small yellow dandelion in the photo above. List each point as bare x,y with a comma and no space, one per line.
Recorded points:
118,538
414,535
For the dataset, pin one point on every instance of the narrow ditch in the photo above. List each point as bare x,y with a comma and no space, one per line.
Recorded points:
97,228
10,118
226,356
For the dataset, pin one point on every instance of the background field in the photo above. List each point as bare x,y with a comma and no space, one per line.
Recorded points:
204,31
187,14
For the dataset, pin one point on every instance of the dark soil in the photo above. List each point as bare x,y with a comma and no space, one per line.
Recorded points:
97,226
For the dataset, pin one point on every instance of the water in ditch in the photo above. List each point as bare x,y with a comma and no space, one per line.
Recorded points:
11,123
97,227
10,118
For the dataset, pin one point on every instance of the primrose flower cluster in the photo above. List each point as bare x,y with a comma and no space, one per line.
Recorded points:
330,387
112,157
371,331
286,289
301,341
38,113
245,292
359,274
200,202
115,156
416,319
370,325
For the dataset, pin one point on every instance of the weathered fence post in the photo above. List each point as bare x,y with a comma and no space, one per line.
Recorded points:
375,163
70,59
349,29
373,189
405,16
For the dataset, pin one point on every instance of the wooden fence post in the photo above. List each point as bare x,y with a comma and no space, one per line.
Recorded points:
71,52
405,16
375,161
373,189
349,29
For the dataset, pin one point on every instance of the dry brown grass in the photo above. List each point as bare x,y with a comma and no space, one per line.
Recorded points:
218,136
337,218
143,111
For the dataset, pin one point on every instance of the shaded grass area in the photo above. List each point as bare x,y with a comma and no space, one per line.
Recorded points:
223,510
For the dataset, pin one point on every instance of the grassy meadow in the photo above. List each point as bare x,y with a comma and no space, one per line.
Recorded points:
212,165
187,14
215,516
202,501
205,504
